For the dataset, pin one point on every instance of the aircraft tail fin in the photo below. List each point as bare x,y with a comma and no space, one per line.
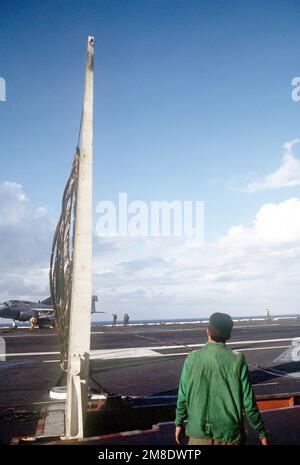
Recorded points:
94,300
47,301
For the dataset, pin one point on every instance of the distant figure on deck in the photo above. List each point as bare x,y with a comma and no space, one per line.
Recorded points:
215,391
269,316
126,319
114,321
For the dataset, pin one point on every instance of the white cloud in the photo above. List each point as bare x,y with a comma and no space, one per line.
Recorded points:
274,224
287,175
252,267
25,241
249,269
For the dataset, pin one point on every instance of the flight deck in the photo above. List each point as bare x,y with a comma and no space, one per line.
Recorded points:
137,362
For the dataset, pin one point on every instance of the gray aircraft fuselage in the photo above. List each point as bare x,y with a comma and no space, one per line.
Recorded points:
23,310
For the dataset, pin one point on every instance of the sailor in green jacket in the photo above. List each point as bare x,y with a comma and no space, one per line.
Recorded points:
215,390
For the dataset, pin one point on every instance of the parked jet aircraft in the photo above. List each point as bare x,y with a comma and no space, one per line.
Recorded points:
36,313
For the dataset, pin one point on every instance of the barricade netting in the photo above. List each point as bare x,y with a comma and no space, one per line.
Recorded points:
61,262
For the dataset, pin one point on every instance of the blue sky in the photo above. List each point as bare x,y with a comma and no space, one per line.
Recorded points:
192,101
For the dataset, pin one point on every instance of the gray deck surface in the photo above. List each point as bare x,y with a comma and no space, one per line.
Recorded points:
141,360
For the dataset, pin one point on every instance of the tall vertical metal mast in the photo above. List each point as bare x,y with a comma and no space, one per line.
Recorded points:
80,314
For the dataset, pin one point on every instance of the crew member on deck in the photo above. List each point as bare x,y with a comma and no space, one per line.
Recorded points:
215,391
114,321
126,319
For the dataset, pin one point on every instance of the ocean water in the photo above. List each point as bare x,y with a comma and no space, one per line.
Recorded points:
195,320
155,322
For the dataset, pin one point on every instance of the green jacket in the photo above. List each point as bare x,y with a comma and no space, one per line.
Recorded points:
214,391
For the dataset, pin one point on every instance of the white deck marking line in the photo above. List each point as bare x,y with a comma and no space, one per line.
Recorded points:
182,329
110,351
261,348
132,354
29,354
265,384
137,352
50,361
162,330
174,354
